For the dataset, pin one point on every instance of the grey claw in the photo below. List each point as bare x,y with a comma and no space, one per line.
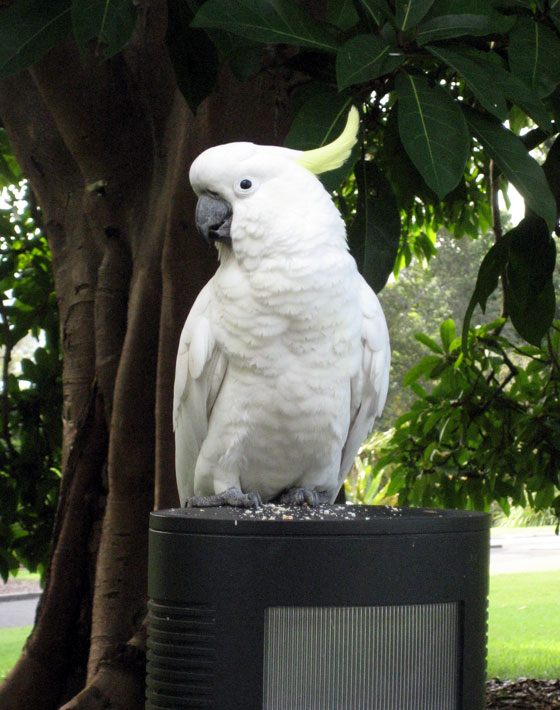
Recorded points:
253,500
303,496
232,496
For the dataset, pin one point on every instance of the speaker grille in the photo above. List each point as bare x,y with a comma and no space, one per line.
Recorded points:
362,658
181,656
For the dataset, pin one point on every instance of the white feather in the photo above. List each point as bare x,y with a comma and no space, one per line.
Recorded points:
370,385
283,361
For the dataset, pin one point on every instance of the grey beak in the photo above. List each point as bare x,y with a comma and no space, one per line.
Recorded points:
213,219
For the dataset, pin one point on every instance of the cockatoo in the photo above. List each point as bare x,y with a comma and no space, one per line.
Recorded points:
283,362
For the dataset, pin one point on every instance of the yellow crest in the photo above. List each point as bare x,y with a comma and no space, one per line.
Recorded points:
332,155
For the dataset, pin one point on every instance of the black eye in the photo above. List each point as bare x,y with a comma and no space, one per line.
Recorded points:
245,184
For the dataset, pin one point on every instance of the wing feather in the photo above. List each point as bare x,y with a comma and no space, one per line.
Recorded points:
200,370
371,382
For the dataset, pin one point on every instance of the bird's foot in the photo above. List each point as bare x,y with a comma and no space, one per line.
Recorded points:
232,496
303,496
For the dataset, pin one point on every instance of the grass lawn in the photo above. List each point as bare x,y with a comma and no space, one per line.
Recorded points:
11,643
26,576
12,640
524,625
523,636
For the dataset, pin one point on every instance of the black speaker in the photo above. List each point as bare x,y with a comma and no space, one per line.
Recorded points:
336,608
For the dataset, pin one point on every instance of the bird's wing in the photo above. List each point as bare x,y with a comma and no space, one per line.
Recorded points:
370,384
200,370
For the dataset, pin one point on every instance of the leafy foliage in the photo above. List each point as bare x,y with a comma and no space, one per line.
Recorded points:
378,219
30,28
433,131
363,485
517,165
488,429
522,518
108,22
350,65
525,256
31,401
432,119
423,296
433,122
267,22
194,55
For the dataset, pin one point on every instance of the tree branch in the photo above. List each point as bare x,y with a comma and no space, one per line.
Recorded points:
8,346
497,227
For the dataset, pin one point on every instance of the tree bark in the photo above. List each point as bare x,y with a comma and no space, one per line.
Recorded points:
106,148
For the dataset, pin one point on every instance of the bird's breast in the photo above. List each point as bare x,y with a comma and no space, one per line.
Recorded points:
304,317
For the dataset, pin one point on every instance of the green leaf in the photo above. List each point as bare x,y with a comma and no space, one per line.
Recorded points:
439,369
268,21
419,391
491,268
410,12
10,173
544,498
447,333
551,168
433,132
375,232
428,342
516,164
378,9
529,286
29,29
243,56
475,67
320,120
422,369
481,21
512,3
468,7
364,58
456,18
526,254
494,325
429,452
342,14
519,93
534,55
554,13
401,171
193,54
449,26
109,22
431,421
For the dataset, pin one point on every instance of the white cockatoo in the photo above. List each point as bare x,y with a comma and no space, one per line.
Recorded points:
283,362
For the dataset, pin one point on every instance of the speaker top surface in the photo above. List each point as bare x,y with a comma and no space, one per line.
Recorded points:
280,520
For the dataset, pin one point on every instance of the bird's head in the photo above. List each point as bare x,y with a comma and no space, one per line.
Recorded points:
247,191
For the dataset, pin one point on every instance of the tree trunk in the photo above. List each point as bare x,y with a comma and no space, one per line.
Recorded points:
106,148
